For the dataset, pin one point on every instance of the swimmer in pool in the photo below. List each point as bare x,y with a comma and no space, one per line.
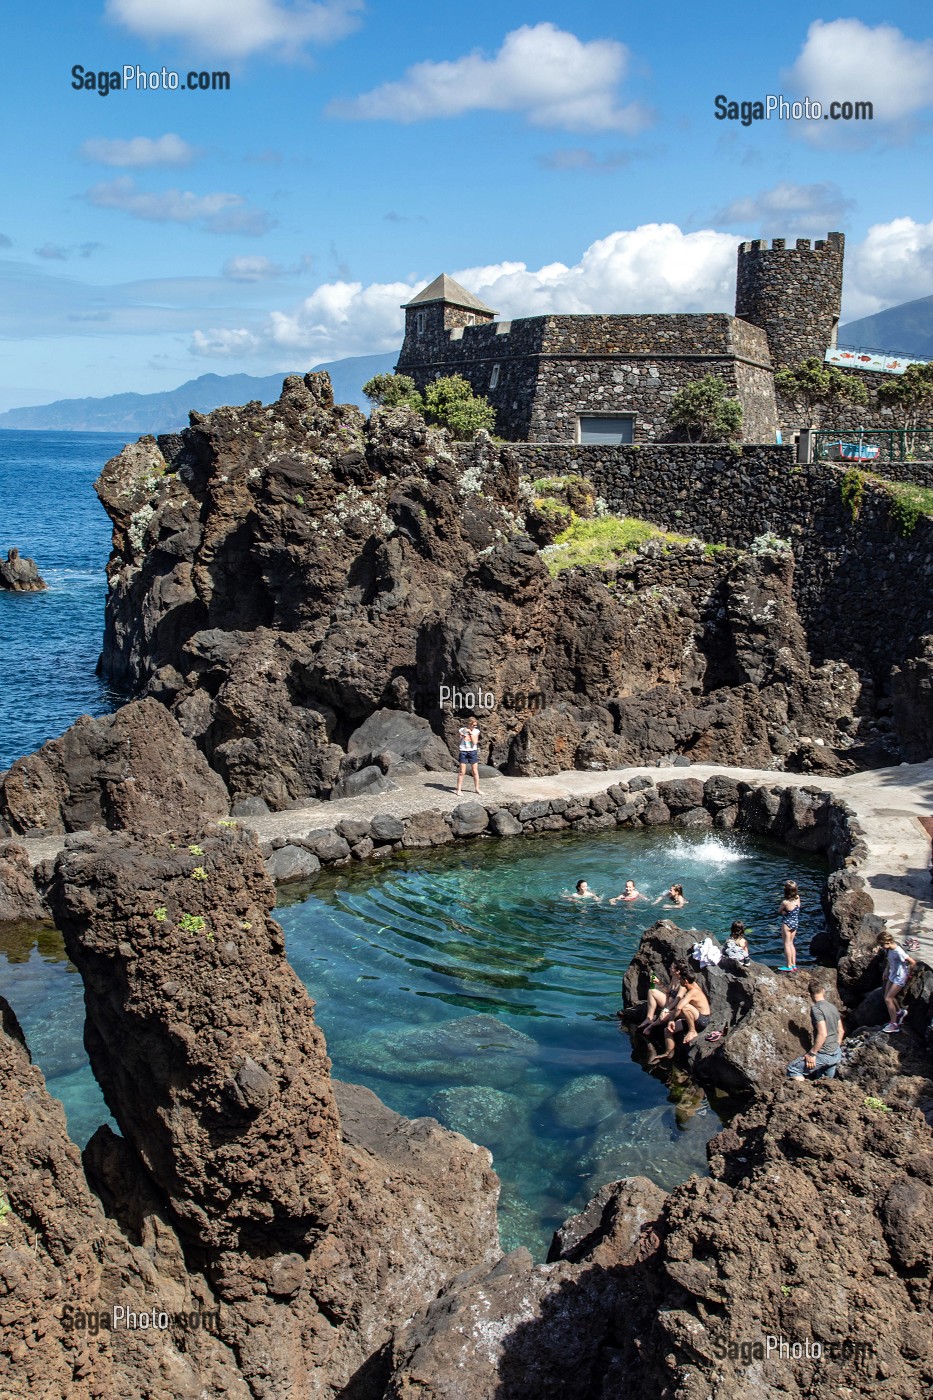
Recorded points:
583,891
674,896
629,894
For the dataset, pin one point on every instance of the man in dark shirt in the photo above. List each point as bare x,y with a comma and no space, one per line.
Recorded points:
821,1062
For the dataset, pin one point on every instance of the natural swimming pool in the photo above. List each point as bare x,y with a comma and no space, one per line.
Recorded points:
464,984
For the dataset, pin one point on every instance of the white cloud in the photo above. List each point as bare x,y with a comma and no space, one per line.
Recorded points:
215,213
789,207
893,264
554,78
652,268
221,343
238,28
140,152
251,269
846,60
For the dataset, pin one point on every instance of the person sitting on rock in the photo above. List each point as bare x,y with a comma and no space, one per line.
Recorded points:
690,1014
736,947
674,896
823,1060
468,756
583,891
628,894
663,998
898,968
790,923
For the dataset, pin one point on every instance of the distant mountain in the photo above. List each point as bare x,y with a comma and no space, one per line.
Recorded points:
907,329
168,411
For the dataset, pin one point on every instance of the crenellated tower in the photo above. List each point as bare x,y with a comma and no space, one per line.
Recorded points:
793,294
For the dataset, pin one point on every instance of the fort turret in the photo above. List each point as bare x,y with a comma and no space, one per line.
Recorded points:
443,306
793,294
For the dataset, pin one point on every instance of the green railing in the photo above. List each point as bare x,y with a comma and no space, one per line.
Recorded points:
873,444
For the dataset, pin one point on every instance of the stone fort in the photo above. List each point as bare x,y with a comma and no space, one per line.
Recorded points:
611,378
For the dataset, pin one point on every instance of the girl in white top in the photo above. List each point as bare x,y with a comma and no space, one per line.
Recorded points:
468,757
896,976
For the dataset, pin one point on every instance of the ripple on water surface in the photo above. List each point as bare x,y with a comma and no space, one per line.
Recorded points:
465,984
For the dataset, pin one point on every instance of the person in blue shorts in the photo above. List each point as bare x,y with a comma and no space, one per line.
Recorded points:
468,756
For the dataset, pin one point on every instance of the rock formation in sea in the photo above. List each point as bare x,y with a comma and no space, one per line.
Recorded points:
319,1219
19,574
281,574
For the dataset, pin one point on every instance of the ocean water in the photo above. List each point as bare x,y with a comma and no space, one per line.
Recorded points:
462,984
49,642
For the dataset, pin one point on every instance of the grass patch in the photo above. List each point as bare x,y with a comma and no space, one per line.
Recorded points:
908,503
599,543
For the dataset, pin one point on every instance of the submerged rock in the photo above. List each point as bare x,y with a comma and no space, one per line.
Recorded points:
20,575
471,1049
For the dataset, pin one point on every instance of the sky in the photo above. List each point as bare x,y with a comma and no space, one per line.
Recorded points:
564,159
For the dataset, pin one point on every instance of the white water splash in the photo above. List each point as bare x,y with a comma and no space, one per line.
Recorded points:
712,850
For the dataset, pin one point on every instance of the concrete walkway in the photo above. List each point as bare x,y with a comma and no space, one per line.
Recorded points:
889,802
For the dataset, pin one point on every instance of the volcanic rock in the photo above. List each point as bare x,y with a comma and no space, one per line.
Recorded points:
19,574
765,1016
65,1262
815,1228
297,585
132,768
19,898
318,1235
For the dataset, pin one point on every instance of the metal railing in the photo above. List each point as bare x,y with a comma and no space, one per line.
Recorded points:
873,444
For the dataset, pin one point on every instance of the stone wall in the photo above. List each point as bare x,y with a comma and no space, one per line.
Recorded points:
793,294
863,587
550,368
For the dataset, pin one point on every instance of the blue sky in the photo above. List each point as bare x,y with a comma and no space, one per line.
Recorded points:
553,159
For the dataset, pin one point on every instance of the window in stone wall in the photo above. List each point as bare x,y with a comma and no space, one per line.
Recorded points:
421,320
494,376
606,428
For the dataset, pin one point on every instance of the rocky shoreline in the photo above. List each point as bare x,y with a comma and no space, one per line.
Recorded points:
290,586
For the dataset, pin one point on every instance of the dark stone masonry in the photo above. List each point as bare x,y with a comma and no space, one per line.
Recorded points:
566,379
862,582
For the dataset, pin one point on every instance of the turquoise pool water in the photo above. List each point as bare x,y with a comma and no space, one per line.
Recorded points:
464,984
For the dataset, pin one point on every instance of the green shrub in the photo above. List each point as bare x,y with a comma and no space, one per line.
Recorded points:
853,490
393,391
192,923
547,518
704,412
451,403
600,543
